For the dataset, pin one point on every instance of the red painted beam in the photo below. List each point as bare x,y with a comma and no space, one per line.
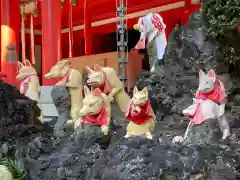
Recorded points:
93,3
3,74
87,28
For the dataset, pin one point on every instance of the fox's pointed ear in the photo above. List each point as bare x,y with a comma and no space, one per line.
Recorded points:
27,63
65,62
97,67
145,91
97,92
89,70
20,65
201,74
135,90
86,90
211,73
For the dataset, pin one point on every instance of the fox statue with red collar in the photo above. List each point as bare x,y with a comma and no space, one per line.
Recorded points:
106,79
152,29
72,79
140,115
29,83
208,106
95,112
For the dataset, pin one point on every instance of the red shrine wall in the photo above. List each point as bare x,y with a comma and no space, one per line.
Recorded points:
102,42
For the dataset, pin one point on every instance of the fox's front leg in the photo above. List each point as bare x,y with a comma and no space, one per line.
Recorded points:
149,135
78,123
224,126
113,92
127,135
223,123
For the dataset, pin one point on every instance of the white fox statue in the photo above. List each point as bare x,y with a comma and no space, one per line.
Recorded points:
29,83
152,29
209,103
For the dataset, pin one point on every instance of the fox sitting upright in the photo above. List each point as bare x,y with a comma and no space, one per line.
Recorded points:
29,83
106,79
208,104
140,114
95,112
72,79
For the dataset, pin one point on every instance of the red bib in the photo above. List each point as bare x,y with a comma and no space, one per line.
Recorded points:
141,117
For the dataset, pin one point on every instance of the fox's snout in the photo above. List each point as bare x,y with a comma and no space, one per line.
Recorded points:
89,81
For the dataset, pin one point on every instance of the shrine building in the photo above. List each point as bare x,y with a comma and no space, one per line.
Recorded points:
83,31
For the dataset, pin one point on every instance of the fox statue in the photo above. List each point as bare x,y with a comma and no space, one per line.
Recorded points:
5,174
140,114
29,83
72,79
95,112
152,29
209,103
106,79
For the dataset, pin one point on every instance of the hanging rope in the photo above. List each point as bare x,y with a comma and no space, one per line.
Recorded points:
70,34
23,36
32,41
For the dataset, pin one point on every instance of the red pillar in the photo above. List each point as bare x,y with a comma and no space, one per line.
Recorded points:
10,24
51,37
87,28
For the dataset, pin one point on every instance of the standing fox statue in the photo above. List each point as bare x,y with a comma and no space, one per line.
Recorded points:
106,79
95,112
29,83
208,106
140,114
72,79
152,29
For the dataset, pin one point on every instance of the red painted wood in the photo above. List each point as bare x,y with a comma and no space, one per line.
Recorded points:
51,37
104,9
70,33
87,29
3,75
10,24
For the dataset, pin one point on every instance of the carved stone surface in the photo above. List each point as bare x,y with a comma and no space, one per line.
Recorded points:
62,101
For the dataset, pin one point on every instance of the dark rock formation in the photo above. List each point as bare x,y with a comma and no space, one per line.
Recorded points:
189,49
18,114
171,90
135,159
62,101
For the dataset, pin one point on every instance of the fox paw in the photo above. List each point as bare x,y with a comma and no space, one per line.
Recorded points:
127,135
178,140
149,135
69,122
105,130
226,134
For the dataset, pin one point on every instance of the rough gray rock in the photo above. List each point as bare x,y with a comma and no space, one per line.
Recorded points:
139,158
171,90
189,49
62,101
